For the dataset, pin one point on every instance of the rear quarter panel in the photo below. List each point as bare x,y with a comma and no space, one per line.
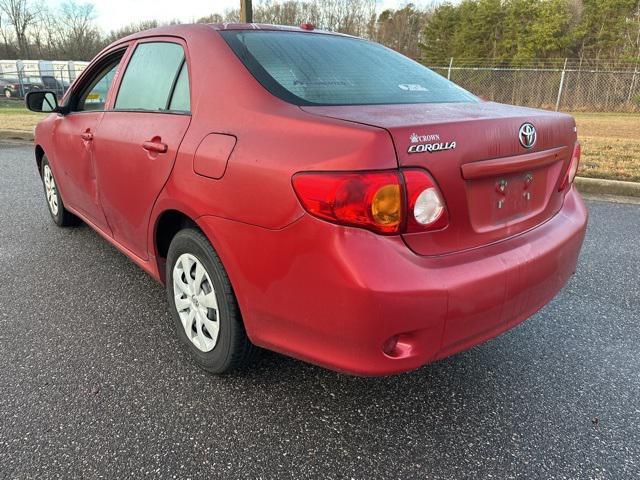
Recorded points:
274,141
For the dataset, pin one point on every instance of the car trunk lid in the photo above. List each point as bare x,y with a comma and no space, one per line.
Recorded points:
493,186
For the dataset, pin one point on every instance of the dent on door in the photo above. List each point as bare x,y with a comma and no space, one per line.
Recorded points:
74,150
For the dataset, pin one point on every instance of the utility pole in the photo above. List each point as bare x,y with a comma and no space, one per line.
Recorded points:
246,11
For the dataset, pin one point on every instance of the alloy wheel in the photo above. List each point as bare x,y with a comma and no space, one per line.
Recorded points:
196,302
50,190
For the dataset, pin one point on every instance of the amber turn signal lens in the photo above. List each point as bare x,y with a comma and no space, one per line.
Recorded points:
386,205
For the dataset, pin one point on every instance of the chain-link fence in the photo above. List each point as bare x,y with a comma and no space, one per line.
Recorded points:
17,78
562,88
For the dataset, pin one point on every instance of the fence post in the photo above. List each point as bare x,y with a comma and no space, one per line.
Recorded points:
60,86
633,83
564,68
20,70
449,71
71,68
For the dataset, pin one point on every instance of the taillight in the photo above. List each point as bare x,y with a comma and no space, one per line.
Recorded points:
387,202
573,168
370,200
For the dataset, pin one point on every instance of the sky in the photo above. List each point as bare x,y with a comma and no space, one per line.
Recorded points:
112,14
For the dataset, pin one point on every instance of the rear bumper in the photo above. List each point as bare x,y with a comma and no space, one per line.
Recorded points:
333,295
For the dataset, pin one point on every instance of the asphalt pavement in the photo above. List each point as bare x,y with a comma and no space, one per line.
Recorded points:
94,384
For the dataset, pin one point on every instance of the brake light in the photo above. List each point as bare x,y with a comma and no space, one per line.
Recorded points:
370,200
386,202
573,168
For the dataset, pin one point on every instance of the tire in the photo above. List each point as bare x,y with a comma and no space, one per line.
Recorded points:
217,340
60,215
7,93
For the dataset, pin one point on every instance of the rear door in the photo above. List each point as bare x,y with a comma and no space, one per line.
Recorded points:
137,141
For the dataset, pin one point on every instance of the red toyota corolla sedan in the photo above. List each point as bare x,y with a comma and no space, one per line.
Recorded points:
314,194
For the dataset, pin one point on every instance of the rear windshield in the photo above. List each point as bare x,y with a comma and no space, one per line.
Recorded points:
319,69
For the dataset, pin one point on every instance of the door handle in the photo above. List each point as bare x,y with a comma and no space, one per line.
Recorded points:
155,147
86,136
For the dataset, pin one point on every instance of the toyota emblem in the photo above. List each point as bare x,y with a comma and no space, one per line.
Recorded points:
527,135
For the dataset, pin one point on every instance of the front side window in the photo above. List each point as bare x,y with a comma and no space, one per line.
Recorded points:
320,69
150,77
94,96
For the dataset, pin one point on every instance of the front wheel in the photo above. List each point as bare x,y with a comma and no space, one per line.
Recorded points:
7,93
61,216
203,305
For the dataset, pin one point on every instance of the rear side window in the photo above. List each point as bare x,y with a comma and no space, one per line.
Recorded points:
149,80
180,100
319,69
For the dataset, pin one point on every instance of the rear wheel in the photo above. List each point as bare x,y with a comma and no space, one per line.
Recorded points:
7,93
61,216
203,305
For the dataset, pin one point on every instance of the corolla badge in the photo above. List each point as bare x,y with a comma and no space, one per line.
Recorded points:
428,143
527,135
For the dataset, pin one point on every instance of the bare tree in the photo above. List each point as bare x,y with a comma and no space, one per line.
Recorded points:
402,29
346,16
81,38
21,15
31,29
66,32
129,29
7,37
46,37
213,18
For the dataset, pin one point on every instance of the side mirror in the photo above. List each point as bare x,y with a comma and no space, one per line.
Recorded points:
41,101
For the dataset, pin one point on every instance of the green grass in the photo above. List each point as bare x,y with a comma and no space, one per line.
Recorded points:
610,145
11,105
16,122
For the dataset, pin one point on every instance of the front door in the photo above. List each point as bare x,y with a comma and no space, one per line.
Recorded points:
137,140
73,135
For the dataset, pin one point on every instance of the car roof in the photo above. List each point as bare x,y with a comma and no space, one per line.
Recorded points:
186,30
